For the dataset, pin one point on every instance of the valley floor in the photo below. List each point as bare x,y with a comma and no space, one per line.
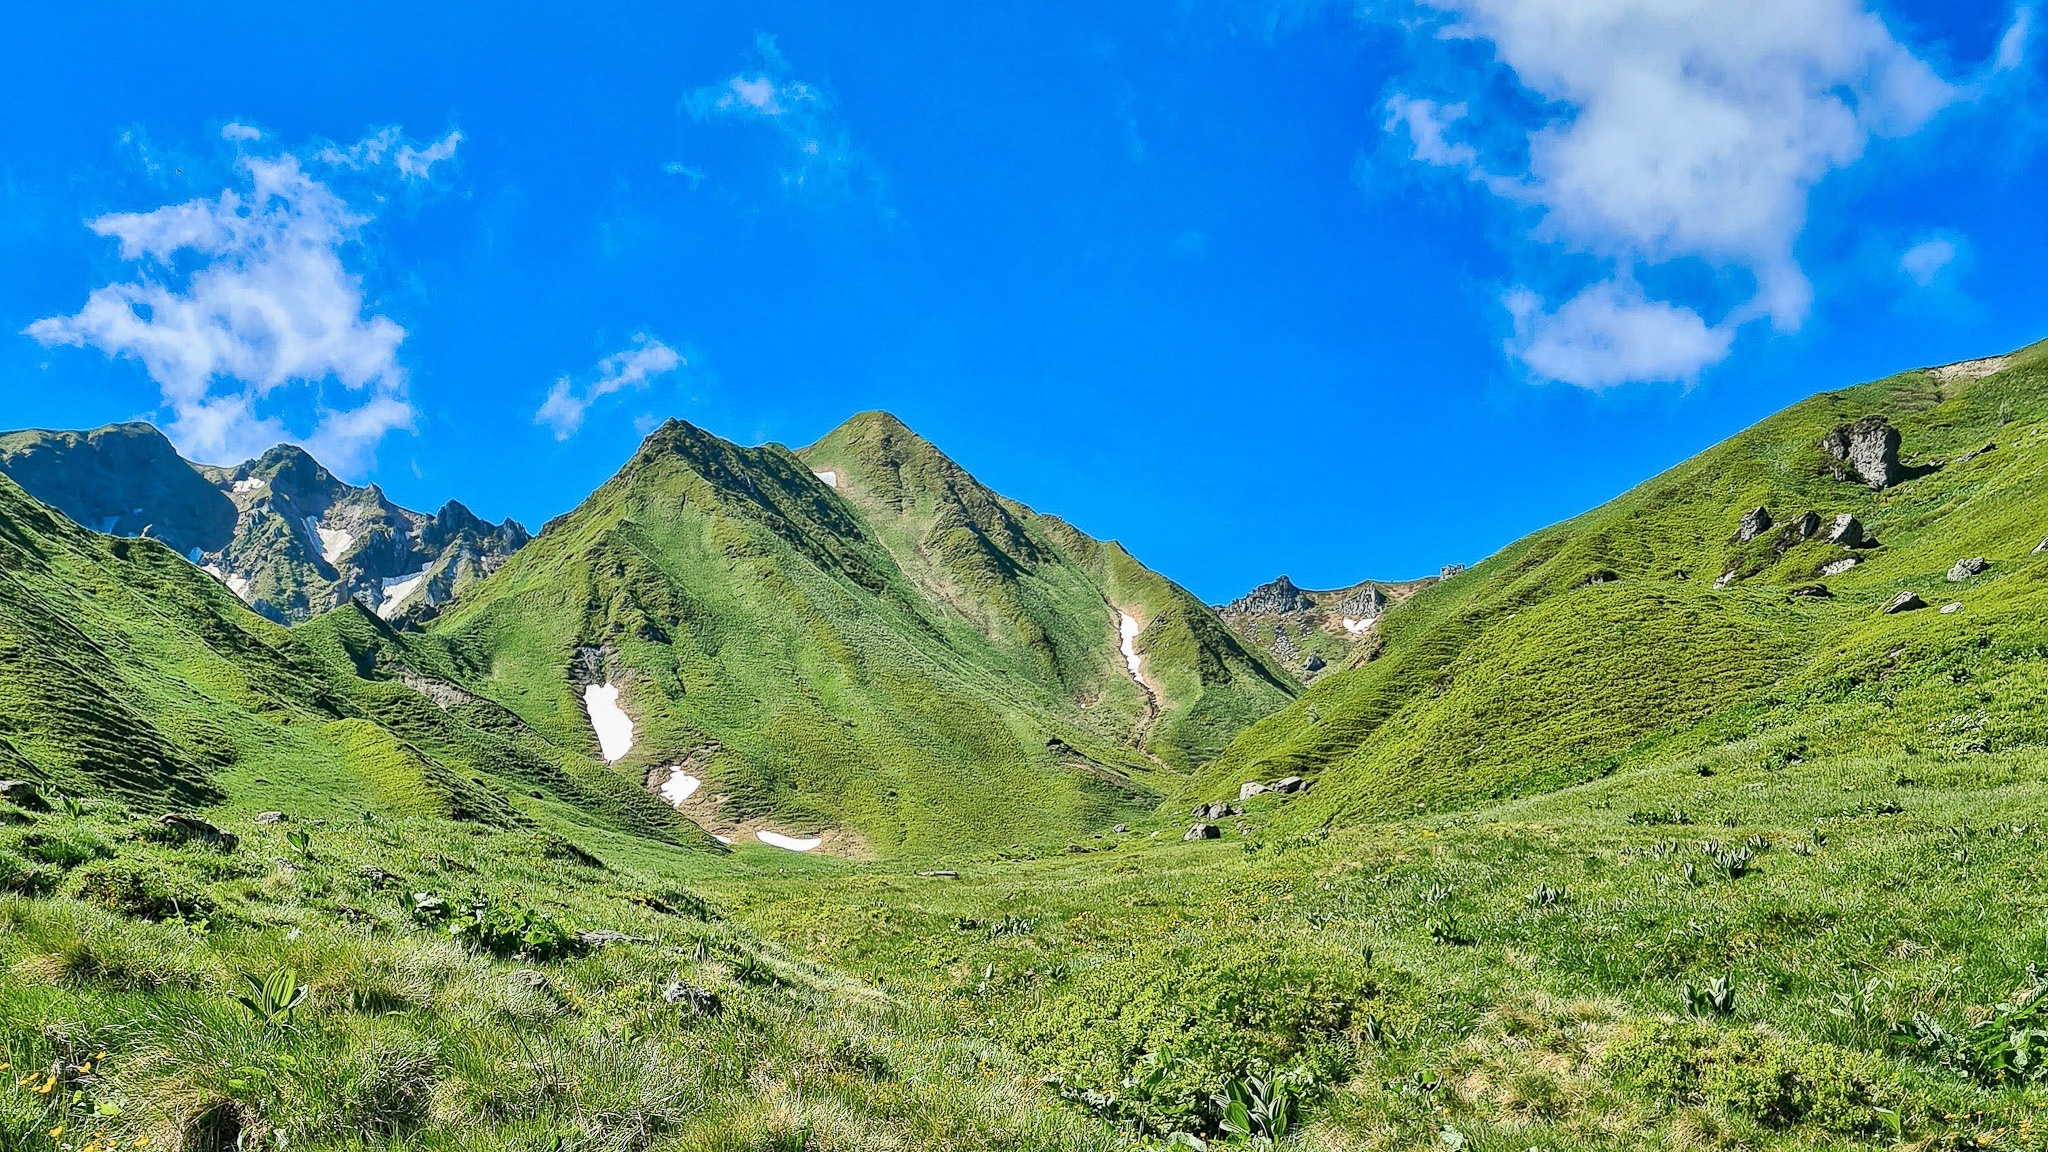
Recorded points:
1726,951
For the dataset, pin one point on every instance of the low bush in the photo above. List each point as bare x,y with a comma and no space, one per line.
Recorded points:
1771,1079
143,891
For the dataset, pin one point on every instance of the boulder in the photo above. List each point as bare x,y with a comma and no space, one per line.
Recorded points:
1289,785
1867,450
1904,602
698,1000
1203,832
1314,663
181,829
1965,569
23,794
1250,789
1837,567
1216,811
1814,591
1848,532
1600,576
1450,570
272,818
2041,547
1755,523
1951,609
1799,531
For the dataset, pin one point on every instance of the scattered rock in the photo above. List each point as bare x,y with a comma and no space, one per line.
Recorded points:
1965,569
2041,547
1904,602
180,829
1204,832
1119,828
1250,789
1837,567
1601,576
23,794
1755,523
272,818
1848,532
1816,591
1289,785
1799,531
1450,570
1951,609
1216,811
700,1001
1314,663
1973,453
1867,450
1727,578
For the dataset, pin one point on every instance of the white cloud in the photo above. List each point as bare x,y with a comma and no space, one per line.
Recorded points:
1924,262
679,169
2012,47
241,307
1658,131
822,155
389,146
1612,334
634,367
240,132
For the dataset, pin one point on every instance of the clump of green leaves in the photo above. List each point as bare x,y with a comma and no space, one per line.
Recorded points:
1254,1108
1714,998
272,999
2010,1046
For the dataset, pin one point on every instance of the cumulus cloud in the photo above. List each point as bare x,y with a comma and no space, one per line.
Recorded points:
242,308
240,132
1657,131
634,368
821,154
1924,262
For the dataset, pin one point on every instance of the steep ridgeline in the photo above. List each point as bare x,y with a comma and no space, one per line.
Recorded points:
126,671
1315,633
280,531
857,645
1868,564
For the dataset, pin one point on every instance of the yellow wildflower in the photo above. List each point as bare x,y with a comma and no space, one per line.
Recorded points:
56,1132
48,1085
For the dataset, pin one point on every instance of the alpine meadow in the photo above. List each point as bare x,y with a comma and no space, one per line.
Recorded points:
709,578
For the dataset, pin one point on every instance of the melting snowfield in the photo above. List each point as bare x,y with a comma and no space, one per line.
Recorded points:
830,478
248,484
614,728
1129,626
333,541
778,840
239,585
679,787
1357,626
396,590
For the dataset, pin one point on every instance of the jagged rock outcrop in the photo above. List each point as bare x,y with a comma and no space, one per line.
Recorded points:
1450,570
1904,602
1364,604
1867,450
1755,523
1277,597
1848,532
1965,569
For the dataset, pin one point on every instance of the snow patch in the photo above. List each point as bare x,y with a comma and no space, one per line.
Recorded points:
249,484
1129,627
721,839
679,787
239,585
830,478
778,840
1357,626
396,590
614,728
333,541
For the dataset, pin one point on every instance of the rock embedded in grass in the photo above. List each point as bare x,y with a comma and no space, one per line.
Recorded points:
272,818
23,794
1847,531
1951,609
1868,450
1204,832
1904,602
1964,569
1249,789
1755,523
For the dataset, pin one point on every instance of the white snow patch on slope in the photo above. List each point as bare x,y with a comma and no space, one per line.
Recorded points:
830,478
679,787
1129,627
778,840
239,585
614,728
249,484
333,541
1356,626
721,839
396,590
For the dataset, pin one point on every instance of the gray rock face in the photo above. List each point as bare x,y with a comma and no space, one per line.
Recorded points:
1280,596
1867,450
1848,532
1755,523
1314,663
23,794
698,1000
1951,609
1250,789
282,532
1450,570
1904,602
1365,604
1289,785
1964,569
1204,832
1837,567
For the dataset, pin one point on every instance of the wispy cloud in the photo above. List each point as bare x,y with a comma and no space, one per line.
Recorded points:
633,368
820,153
412,161
1925,262
242,307
1646,133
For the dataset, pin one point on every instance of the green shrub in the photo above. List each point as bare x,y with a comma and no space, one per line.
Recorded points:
20,876
66,847
148,892
500,928
1773,1080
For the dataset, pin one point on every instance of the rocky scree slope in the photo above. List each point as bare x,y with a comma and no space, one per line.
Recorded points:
1761,590
281,531
1315,633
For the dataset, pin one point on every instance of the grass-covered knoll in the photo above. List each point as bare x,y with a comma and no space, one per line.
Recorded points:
920,668
1645,626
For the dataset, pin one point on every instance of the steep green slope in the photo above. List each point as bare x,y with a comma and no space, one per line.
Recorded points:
1648,625
915,667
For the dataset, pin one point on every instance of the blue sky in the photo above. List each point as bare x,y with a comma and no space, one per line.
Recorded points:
1333,290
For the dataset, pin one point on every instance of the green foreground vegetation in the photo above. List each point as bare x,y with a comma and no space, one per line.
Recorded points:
1637,835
